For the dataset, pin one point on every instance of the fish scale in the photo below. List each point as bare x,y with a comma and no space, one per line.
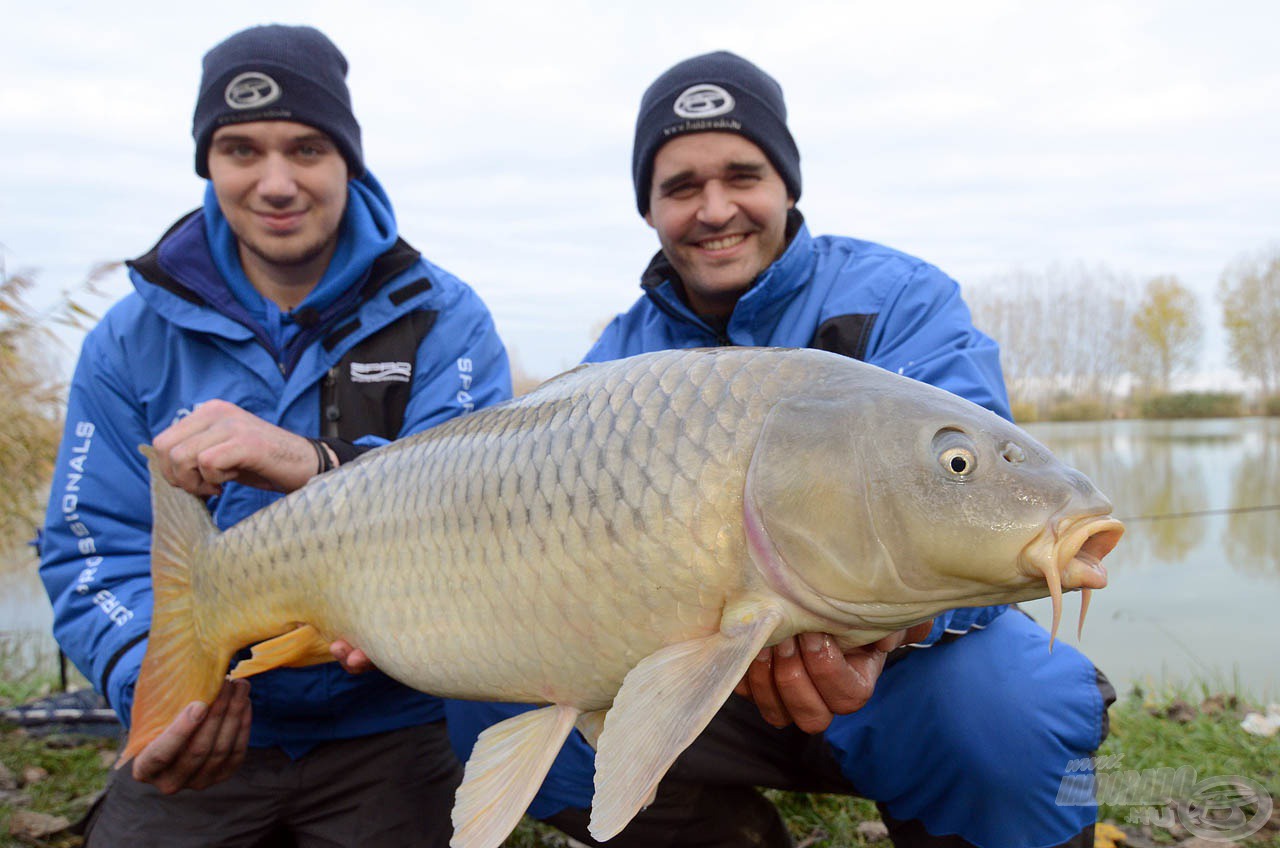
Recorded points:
625,538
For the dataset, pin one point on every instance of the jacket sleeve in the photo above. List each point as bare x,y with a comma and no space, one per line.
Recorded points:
610,344
925,332
462,366
95,556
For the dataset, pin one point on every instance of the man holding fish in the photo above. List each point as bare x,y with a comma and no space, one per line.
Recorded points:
270,331
969,731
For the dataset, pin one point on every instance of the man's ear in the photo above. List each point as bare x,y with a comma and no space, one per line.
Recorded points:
791,202
648,218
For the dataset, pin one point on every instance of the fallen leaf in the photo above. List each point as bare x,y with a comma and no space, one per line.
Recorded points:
1180,711
26,824
873,831
1108,836
34,774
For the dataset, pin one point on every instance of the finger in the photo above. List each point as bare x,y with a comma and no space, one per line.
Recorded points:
188,463
183,768
918,633
230,742
800,698
359,662
865,665
759,680
843,686
154,761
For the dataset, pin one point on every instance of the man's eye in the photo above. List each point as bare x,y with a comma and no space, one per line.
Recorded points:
683,191
310,151
745,180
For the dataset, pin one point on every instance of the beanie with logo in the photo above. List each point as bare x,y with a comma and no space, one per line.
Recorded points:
277,73
714,92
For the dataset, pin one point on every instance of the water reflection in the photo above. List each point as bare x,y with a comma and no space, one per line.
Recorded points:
1252,542
1191,597
1164,476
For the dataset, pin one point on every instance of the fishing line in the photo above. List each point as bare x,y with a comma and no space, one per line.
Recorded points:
1230,511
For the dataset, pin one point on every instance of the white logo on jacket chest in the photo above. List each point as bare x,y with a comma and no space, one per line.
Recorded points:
381,372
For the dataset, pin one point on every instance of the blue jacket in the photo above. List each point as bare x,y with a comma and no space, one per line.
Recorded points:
840,294
184,338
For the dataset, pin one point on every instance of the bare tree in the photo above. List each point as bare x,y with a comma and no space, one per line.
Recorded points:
1061,331
1166,331
1249,291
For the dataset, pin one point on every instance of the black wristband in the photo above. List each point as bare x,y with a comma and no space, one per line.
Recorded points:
323,462
345,451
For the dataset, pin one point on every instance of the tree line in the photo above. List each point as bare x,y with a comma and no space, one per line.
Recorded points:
1077,334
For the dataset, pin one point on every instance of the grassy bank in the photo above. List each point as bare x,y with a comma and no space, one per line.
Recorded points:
58,776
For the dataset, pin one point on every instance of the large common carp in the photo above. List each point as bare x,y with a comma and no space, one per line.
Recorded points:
626,538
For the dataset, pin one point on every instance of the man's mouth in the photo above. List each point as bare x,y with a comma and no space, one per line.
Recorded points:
723,242
281,220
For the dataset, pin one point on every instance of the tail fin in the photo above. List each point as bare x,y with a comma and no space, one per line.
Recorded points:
182,664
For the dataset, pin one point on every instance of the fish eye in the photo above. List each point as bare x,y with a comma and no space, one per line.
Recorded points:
959,461
956,453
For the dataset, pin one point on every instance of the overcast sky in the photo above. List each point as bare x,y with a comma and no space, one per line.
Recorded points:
982,136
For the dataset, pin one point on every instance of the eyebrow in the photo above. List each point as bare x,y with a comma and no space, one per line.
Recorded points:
297,139
732,168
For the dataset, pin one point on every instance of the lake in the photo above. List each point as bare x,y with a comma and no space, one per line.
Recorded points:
1194,591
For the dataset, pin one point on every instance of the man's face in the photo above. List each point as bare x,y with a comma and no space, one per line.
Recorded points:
720,209
283,188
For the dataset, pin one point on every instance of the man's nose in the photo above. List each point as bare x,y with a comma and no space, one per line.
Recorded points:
717,207
276,182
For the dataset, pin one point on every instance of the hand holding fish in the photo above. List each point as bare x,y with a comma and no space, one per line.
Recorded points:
204,745
220,442
807,681
352,660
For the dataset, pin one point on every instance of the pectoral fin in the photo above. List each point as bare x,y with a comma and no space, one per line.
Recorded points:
504,772
301,646
664,703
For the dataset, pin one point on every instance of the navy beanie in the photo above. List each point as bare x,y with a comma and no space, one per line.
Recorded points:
277,73
715,92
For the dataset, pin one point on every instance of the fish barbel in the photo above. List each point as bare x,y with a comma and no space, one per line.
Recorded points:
619,545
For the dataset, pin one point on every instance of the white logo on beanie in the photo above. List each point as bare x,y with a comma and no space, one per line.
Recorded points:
703,101
251,90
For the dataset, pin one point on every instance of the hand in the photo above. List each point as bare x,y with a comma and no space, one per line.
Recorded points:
806,680
353,660
203,745
220,442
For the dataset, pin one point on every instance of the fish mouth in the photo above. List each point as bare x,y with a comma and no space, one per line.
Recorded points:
1069,556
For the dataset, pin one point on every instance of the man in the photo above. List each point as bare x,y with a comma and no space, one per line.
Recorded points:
270,331
969,735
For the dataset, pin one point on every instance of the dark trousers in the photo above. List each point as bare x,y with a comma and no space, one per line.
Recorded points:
390,789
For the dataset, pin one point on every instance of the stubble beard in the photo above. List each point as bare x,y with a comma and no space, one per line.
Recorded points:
286,256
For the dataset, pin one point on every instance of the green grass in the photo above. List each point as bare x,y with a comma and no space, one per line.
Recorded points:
1143,736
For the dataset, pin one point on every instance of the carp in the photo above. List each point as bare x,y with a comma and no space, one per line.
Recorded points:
619,545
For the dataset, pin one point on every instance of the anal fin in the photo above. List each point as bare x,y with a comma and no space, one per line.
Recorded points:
301,646
664,703
504,772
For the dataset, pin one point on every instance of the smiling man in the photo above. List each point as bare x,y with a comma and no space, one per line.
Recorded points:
966,737
271,331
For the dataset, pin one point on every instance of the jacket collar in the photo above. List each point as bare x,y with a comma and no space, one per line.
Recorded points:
181,264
